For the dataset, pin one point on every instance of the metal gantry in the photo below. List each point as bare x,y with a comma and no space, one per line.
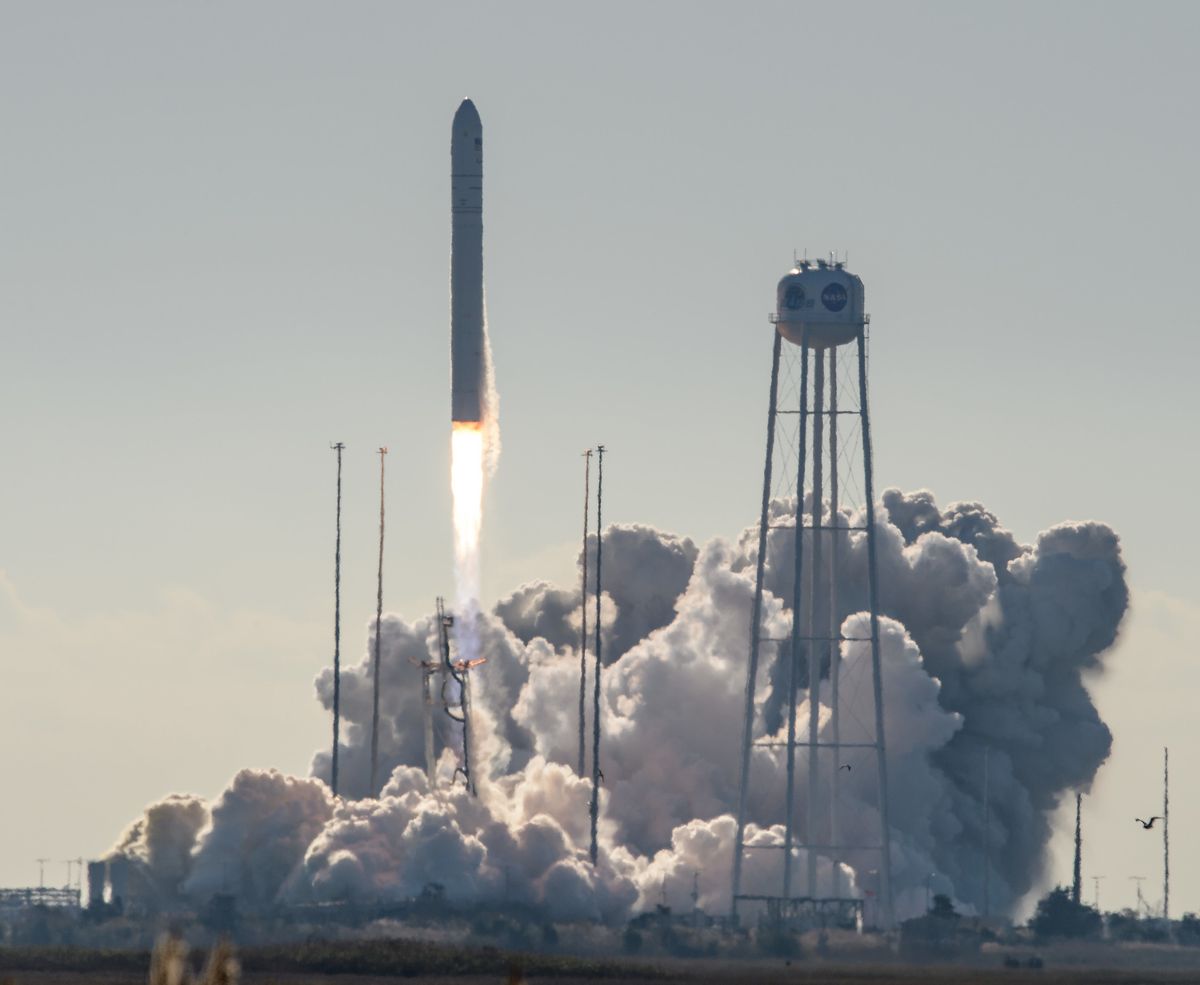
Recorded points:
456,673
816,635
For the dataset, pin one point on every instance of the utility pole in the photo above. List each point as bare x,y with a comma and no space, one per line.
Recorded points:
42,872
1096,892
374,790
78,880
339,447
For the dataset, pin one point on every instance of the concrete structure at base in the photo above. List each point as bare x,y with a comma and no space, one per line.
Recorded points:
97,877
819,307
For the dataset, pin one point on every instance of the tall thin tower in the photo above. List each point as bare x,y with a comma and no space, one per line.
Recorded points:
820,307
583,606
339,447
597,775
1166,839
378,643
1077,874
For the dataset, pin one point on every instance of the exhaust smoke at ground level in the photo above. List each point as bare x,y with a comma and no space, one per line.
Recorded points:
984,642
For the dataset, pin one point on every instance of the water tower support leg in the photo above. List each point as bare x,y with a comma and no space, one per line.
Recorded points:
755,632
885,848
789,835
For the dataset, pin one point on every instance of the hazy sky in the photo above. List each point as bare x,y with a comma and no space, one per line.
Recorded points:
224,242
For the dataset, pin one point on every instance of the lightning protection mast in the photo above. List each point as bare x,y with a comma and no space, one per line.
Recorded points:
374,789
583,607
820,308
1166,837
339,447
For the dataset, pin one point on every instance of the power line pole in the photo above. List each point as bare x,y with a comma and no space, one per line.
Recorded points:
378,641
597,776
42,872
583,599
1096,892
337,622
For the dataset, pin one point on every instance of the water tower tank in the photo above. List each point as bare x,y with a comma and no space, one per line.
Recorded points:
819,303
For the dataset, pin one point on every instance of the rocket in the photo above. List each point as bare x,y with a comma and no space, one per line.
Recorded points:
467,368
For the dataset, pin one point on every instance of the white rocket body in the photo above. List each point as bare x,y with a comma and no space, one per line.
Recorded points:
467,370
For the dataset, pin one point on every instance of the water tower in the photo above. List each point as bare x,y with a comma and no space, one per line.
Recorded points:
819,309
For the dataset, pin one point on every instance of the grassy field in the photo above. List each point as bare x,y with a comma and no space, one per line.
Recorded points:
383,962
698,972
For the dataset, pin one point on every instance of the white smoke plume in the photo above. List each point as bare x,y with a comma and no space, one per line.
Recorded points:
984,642
159,845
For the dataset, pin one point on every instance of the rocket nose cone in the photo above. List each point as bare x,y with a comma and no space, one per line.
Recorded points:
467,114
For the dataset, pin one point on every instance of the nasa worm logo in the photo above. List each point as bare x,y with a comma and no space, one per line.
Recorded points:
794,298
834,297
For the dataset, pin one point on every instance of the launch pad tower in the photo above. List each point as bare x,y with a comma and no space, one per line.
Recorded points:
819,309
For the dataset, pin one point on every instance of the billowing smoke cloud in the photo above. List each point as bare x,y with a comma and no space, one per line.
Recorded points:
159,846
258,833
984,643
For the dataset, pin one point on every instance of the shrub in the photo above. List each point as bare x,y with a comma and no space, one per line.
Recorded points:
1059,916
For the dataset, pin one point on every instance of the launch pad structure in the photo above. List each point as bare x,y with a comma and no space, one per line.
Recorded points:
820,307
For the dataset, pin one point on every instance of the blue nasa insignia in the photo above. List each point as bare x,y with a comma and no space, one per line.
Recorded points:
794,298
834,297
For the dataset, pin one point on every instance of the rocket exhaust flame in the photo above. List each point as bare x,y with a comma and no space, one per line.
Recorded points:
466,484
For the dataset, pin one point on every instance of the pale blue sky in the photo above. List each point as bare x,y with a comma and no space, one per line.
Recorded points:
225,243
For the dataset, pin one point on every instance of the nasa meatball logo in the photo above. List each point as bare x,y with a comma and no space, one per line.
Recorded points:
834,297
794,298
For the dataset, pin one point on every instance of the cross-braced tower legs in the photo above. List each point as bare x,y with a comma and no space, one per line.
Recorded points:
825,533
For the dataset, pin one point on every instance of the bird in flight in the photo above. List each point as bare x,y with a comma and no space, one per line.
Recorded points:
844,766
1147,825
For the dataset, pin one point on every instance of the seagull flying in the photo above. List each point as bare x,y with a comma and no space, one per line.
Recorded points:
1148,824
